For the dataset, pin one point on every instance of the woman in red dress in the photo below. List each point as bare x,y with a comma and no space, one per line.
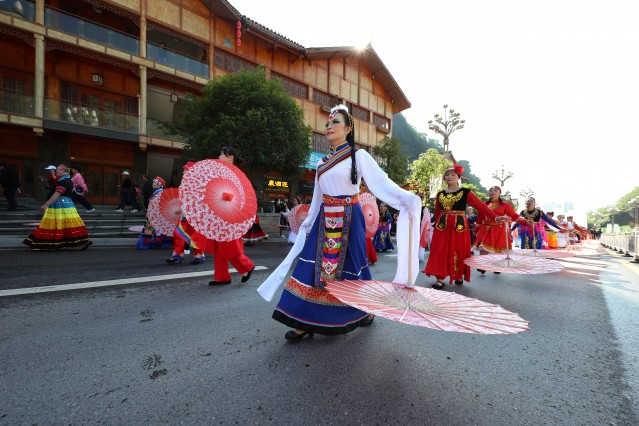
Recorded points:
491,236
451,239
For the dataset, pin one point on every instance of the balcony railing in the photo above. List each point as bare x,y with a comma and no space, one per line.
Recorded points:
22,9
90,30
86,115
156,128
176,60
15,102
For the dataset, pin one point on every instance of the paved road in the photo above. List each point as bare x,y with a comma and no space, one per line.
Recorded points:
178,351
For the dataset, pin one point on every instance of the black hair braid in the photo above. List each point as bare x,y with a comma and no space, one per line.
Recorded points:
350,138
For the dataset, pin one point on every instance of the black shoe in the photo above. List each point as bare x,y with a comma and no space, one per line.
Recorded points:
248,276
197,261
174,259
481,271
459,282
292,336
366,321
497,273
219,282
438,285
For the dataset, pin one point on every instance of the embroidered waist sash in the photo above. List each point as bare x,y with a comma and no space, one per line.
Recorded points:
342,200
336,221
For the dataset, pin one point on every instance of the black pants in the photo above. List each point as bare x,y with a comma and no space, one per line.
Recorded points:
80,198
10,195
128,197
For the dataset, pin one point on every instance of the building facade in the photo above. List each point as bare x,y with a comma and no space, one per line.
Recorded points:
90,82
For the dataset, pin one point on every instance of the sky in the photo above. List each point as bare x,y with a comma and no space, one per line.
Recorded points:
549,89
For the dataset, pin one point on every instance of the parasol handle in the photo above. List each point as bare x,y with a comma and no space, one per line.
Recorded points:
410,250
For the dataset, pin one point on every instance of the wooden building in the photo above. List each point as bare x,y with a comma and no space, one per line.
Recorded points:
89,82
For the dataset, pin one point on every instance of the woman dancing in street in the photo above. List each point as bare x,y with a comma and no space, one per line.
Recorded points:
61,227
335,248
451,239
491,235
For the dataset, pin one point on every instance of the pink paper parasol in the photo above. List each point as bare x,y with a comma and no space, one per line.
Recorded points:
218,200
436,309
507,262
514,264
544,254
164,211
297,216
370,211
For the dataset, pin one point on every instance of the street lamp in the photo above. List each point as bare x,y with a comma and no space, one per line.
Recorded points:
445,125
526,193
503,177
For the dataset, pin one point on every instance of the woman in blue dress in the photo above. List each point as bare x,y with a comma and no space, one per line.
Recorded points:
382,238
335,248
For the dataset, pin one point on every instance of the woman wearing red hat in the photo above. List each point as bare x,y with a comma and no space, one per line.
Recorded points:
451,240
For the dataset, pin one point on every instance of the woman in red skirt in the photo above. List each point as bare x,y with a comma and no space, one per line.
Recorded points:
451,239
491,236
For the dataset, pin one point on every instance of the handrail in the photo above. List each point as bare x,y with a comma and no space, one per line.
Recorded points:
87,115
174,59
626,243
90,30
16,102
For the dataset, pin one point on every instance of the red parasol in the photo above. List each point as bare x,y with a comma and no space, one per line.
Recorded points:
218,200
370,211
436,309
297,216
164,211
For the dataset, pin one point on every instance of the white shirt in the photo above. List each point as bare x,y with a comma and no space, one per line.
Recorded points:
337,181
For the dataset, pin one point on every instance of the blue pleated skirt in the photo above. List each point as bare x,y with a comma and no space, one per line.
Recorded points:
304,305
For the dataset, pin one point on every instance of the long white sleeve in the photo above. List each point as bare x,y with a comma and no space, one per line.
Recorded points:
409,206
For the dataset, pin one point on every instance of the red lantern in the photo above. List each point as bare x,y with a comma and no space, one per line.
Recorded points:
239,34
238,43
239,25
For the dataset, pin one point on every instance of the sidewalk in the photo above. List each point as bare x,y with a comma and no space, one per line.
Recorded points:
15,241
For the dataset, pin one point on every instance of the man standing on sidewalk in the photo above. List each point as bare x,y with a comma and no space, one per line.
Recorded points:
10,183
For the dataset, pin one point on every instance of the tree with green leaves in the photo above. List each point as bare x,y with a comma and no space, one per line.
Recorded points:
252,114
427,171
393,162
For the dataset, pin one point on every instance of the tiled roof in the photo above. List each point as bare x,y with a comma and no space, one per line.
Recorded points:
225,10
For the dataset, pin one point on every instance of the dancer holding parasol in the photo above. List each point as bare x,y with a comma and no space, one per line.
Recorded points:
451,240
154,235
335,247
491,237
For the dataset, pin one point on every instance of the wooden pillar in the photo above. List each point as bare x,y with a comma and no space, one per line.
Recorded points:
143,100
38,95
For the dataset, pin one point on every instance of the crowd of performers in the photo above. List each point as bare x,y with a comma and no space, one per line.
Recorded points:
452,234
332,243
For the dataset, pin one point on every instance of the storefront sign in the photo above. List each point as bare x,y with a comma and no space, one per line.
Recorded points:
315,158
273,184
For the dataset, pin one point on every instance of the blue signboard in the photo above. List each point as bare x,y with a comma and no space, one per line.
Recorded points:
315,158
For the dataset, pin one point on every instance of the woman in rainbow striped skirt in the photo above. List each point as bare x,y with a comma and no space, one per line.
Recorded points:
61,227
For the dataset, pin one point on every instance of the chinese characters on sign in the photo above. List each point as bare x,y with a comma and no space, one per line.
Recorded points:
277,185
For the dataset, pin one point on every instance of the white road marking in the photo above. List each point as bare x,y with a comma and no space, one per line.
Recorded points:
108,283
